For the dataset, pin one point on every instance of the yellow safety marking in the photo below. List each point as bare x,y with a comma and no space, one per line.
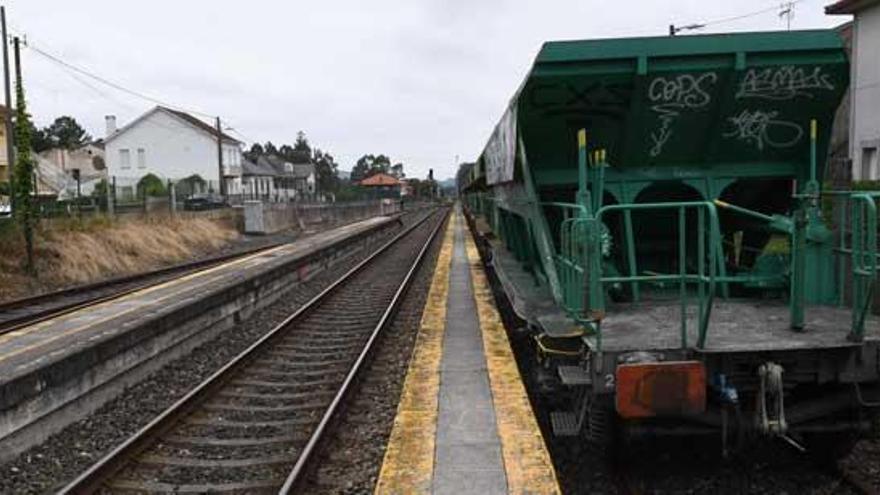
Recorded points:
133,295
526,459
408,466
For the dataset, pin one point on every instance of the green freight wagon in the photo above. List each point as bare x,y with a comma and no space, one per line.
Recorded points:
657,211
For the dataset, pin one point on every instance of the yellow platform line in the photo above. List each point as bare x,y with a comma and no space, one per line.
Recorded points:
526,459
408,466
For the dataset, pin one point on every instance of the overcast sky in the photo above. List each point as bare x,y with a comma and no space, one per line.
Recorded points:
423,81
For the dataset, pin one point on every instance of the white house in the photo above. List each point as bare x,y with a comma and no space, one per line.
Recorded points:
291,181
864,92
172,145
258,180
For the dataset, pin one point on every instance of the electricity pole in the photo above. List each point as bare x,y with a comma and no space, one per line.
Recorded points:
220,159
10,152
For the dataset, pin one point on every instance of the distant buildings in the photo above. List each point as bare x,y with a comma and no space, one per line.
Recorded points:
381,185
272,178
171,145
864,92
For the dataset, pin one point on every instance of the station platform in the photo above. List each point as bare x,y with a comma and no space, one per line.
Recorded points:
60,369
464,422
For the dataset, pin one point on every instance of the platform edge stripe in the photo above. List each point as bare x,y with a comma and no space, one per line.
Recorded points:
408,464
527,462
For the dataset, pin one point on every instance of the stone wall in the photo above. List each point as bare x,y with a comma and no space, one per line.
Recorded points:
269,218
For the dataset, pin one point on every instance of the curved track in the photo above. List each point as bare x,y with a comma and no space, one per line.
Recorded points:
254,424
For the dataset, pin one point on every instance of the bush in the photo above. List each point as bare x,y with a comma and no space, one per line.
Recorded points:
152,186
189,186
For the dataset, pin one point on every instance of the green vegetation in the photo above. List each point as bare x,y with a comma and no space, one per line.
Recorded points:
151,186
22,176
65,132
326,168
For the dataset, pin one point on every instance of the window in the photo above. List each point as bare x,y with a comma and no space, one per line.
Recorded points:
124,159
142,158
869,163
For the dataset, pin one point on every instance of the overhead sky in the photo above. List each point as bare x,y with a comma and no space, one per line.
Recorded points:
423,81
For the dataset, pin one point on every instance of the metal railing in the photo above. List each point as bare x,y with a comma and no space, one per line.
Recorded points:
580,267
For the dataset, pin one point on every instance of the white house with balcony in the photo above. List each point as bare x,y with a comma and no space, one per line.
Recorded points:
171,145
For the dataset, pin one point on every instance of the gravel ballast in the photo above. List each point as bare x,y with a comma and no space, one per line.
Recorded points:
50,465
352,456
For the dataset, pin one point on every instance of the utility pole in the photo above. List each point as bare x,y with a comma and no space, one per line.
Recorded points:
24,177
10,151
220,159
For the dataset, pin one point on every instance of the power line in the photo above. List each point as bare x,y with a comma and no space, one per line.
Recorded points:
726,20
76,72
112,84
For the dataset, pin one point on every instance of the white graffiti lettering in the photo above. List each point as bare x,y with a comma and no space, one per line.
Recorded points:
783,83
762,128
671,97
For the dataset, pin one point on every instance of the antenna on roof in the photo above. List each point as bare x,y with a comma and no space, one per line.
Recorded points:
787,10
673,29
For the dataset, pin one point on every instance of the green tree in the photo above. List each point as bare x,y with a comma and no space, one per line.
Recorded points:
368,165
327,171
397,170
65,132
152,186
100,190
189,186
255,152
22,176
39,139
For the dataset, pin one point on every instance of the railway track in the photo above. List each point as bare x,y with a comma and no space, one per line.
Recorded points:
254,424
27,311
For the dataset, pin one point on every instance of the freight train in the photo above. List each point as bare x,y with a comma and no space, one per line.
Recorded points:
661,215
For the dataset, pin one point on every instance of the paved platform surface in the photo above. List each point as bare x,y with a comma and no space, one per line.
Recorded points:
33,347
464,423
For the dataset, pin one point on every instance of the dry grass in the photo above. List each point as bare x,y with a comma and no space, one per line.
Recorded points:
73,252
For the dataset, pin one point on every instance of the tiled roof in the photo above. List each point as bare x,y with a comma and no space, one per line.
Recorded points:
380,179
249,168
196,122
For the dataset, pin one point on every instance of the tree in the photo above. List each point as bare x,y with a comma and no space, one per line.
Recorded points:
100,190
39,139
189,186
269,148
22,175
368,165
327,171
65,132
301,144
151,185
362,168
397,170
255,152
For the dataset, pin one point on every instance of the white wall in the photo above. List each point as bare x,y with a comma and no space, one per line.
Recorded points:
172,149
865,90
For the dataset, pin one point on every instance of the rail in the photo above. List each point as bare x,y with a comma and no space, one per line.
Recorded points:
92,480
57,303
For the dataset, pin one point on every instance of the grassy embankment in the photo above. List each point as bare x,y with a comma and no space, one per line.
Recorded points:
70,252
